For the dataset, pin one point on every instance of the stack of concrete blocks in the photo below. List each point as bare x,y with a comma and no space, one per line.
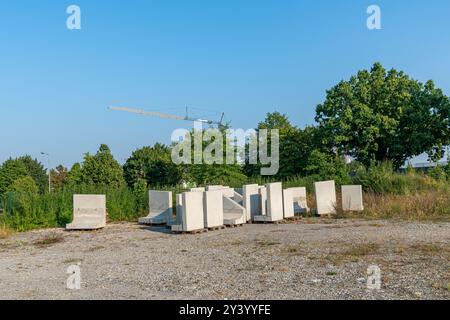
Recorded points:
274,204
89,212
213,209
352,198
191,218
300,200
251,201
325,197
160,208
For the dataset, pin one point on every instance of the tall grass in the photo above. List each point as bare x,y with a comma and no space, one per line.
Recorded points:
33,211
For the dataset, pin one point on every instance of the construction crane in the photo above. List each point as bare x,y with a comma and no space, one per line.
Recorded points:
141,112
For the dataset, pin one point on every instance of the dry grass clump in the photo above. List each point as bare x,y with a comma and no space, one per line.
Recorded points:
49,239
431,205
5,232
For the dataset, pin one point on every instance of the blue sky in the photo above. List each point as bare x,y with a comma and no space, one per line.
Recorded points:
245,58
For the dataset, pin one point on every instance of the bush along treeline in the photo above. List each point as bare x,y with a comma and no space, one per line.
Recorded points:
378,118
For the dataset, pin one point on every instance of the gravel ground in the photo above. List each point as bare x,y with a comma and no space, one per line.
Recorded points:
307,259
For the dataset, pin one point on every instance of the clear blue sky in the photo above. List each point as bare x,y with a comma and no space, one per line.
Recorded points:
244,57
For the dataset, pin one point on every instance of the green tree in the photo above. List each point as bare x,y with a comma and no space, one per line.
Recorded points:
102,169
295,146
36,170
10,171
153,165
75,175
25,184
59,177
382,116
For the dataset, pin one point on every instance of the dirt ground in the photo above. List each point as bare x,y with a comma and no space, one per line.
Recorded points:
306,259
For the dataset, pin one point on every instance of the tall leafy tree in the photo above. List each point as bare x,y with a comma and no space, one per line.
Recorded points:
153,165
102,169
385,116
10,171
36,170
59,177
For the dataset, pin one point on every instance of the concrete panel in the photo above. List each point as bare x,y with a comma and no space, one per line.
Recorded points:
161,208
288,203
252,201
238,198
352,198
300,200
274,204
228,192
263,200
89,212
233,213
192,218
201,189
325,197
179,211
275,201
213,208
214,188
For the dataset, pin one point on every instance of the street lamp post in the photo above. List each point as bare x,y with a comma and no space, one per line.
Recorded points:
49,172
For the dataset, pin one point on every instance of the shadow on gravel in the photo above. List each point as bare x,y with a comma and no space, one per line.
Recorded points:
162,229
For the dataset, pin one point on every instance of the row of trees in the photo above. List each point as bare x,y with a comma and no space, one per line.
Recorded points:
376,116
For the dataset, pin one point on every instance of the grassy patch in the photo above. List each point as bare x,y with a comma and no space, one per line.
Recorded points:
266,243
72,261
362,250
49,239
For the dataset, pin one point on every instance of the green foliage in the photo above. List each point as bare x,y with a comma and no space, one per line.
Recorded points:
101,169
25,184
381,178
10,171
383,116
438,173
32,211
36,170
75,175
59,177
153,165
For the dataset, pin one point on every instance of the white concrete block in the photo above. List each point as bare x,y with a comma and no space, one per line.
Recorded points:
213,208
228,192
274,204
160,208
288,203
263,200
300,200
238,198
192,218
214,188
352,198
89,212
233,213
325,197
200,189
252,201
